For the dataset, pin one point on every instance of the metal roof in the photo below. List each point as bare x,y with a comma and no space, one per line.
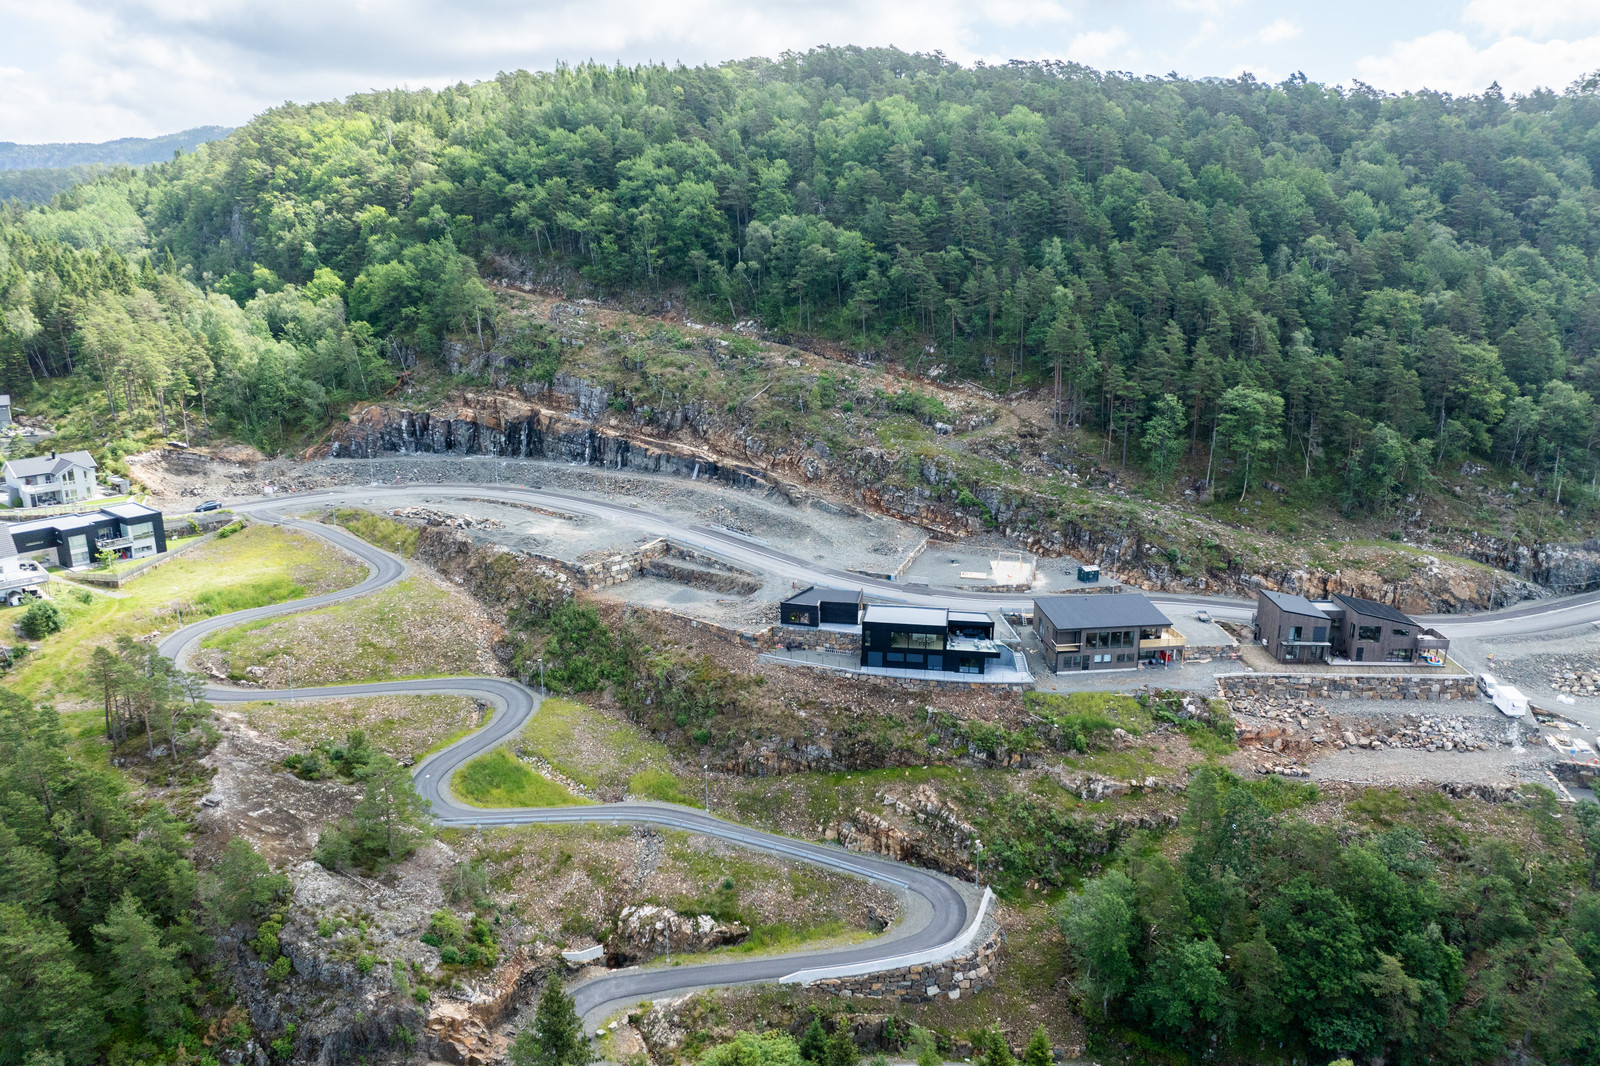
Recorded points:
893,614
1374,609
971,616
1112,610
1289,603
130,510
818,594
50,464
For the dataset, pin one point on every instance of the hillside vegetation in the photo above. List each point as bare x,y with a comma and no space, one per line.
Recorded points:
1336,286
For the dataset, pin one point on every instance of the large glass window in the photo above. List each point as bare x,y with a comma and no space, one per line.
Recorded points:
1369,633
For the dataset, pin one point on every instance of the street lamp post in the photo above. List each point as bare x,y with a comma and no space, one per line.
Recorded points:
541,677
977,863
707,770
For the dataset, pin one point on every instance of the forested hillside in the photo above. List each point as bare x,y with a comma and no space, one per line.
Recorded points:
1360,288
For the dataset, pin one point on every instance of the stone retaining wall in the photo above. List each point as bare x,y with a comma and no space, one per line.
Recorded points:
782,636
951,979
1349,686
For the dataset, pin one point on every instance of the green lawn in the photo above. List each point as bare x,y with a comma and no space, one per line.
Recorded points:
258,566
500,779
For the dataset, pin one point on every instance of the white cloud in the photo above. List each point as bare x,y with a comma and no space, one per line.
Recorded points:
1105,49
1275,32
95,69
1449,62
1537,17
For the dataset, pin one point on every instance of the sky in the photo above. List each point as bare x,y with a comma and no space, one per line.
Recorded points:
92,70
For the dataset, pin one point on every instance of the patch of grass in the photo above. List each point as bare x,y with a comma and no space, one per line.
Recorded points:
499,779
401,631
386,533
261,565
661,786
403,726
603,753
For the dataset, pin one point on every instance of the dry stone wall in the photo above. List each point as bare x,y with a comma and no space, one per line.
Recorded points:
952,979
1348,686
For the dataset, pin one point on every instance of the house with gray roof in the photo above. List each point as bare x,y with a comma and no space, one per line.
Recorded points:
1107,631
1297,630
51,480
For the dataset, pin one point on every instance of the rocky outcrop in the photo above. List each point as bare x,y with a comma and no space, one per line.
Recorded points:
643,931
464,1028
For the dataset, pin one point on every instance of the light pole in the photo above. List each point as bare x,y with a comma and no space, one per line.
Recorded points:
977,863
541,677
706,768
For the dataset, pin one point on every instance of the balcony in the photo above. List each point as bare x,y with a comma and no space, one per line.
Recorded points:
1169,638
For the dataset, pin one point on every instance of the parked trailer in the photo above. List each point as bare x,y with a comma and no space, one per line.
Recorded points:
1510,700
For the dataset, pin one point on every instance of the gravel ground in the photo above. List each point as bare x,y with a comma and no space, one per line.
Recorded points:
1402,766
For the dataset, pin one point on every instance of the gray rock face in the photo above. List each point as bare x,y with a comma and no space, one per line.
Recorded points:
644,931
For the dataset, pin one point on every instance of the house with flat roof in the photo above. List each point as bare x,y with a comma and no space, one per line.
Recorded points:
818,606
935,639
1104,632
1295,629
127,530
51,480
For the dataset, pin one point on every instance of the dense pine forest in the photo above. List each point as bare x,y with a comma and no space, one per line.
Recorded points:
1371,285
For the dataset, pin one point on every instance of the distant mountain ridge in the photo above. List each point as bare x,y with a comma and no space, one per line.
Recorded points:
131,151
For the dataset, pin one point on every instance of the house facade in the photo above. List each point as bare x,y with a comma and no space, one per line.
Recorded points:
127,530
927,638
51,480
817,606
1104,632
1295,629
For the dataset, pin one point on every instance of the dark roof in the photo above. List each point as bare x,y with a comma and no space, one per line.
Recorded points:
1374,609
817,594
1292,604
1087,610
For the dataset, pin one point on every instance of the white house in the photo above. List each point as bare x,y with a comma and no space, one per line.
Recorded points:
48,480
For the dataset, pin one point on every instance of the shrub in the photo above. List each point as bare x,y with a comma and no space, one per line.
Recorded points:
41,619
279,970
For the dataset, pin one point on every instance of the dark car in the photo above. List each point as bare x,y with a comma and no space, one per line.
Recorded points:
209,505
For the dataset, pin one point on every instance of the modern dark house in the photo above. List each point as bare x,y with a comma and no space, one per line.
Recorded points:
818,606
1376,632
1295,629
1104,632
129,530
927,638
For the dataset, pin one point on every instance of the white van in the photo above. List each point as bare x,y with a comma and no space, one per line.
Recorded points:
1486,685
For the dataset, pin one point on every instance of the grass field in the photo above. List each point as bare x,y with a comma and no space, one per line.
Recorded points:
260,565
612,757
410,629
403,726
500,779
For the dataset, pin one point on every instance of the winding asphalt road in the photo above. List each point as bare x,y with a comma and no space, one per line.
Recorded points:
935,914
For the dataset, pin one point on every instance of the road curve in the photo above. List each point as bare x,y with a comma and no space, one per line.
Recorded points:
936,912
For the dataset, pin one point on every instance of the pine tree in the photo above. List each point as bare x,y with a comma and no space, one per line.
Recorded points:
556,1036
1038,1052
147,986
814,1041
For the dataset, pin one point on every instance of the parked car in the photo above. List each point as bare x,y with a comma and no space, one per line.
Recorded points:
209,505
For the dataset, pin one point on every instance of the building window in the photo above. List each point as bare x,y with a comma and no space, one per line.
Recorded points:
1125,657
1369,634
1399,655
1294,632
1319,634
1401,632
897,656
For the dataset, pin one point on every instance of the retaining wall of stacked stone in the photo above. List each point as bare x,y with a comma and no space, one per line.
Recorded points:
951,979
1349,686
782,636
